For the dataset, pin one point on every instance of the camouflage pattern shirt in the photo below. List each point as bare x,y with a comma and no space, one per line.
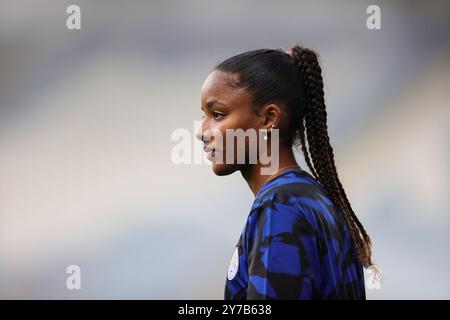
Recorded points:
294,245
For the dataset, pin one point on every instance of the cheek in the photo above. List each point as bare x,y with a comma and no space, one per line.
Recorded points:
240,120
243,122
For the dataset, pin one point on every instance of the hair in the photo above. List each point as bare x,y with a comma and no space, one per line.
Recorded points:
294,78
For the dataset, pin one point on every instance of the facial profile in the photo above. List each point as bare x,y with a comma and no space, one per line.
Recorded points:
225,108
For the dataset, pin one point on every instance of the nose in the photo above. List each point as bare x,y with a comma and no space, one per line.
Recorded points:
199,133
203,133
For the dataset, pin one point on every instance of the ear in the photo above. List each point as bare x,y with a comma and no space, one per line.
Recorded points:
271,115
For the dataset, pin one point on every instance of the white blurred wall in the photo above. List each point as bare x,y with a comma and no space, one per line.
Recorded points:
86,116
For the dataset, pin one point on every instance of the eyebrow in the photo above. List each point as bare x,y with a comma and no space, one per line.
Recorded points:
211,103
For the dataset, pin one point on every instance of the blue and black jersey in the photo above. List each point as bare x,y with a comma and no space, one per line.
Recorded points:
294,245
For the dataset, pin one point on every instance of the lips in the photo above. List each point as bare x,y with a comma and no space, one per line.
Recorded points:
211,152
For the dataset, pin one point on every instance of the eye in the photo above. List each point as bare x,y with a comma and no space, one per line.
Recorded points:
217,115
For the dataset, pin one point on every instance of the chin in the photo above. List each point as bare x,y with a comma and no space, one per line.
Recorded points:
221,169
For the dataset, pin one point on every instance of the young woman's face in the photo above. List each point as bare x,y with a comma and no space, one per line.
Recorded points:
224,108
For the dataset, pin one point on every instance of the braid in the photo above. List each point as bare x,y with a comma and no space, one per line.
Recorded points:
304,149
319,154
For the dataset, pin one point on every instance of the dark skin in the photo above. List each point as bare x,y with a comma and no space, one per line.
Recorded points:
226,107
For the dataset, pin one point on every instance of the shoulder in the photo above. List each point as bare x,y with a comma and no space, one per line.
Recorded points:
296,186
295,198
276,213
295,189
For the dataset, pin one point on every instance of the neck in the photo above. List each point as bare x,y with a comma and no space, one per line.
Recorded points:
255,179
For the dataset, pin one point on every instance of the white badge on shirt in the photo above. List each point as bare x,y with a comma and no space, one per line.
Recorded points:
234,265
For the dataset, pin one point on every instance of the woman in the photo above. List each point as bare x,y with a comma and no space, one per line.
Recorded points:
301,239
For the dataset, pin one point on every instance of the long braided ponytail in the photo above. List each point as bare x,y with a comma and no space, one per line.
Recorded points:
313,131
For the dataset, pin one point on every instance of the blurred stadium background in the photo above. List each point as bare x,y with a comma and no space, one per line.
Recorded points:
86,116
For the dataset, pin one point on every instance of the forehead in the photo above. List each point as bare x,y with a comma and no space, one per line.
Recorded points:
217,87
